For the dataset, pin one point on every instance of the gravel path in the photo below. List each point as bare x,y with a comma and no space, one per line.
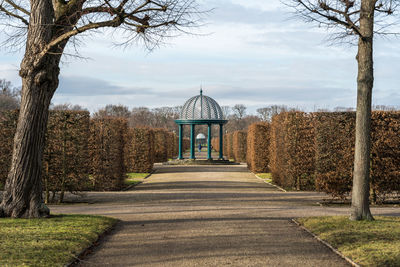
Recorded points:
207,216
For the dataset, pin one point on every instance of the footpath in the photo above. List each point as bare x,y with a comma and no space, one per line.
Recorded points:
206,216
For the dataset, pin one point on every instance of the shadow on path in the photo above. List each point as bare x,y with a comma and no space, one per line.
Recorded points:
205,216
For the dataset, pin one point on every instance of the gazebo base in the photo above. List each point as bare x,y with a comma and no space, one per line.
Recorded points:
200,162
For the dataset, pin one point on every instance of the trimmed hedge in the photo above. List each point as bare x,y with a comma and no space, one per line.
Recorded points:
230,153
385,160
107,141
65,159
185,144
258,141
8,127
240,145
139,150
215,143
83,154
335,139
170,145
225,151
176,146
160,145
292,150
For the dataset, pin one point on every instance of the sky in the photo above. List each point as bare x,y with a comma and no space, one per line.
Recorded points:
250,52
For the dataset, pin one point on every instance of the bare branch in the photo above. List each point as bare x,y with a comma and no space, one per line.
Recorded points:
111,23
17,7
147,21
342,14
23,20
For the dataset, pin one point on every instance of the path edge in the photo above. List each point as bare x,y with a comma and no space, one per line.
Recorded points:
77,258
274,185
337,252
133,185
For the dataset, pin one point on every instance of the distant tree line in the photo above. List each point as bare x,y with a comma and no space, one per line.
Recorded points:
9,95
164,117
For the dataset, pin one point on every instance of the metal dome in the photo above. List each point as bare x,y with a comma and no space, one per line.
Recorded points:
201,107
200,136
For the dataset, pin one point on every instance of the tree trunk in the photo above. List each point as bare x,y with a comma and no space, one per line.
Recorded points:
360,193
23,191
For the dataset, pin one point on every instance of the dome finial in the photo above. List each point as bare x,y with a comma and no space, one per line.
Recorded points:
201,89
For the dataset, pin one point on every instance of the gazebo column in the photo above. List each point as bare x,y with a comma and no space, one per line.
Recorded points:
192,141
180,156
209,143
221,141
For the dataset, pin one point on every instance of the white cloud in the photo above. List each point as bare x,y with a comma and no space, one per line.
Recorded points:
250,54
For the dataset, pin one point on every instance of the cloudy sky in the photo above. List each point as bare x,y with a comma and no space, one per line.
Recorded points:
249,52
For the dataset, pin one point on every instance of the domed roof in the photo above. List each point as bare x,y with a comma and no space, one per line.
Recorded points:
200,136
201,107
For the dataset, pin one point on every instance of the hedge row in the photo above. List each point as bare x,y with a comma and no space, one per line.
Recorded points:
334,147
229,148
235,145
107,142
139,150
165,145
185,144
215,143
239,145
225,146
334,170
316,150
292,153
258,141
385,171
83,154
8,126
65,160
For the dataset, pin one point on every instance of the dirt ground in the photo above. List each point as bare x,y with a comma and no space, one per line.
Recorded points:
207,216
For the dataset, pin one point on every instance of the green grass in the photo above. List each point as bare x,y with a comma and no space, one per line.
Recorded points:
48,242
266,176
375,243
135,178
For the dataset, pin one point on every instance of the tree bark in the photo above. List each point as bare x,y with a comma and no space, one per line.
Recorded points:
23,191
360,193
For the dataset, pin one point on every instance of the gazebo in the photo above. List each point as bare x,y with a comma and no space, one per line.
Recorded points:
201,110
201,139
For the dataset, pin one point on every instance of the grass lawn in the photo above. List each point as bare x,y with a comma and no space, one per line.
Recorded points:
266,176
48,242
375,243
134,178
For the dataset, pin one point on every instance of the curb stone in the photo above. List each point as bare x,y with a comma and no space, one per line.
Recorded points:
280,188
352,263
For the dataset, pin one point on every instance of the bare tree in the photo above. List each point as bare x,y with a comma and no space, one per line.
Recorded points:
384,108
164,117
234,124
226,110
360,19
141,116
46,27
120,111
343,109
67,106
9,96
239,110
236,119
268,112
